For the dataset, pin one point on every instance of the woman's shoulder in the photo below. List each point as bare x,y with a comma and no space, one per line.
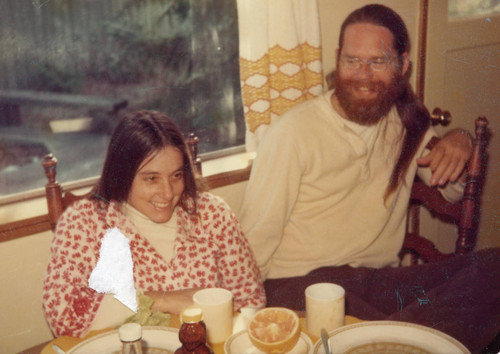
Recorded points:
207,200
214,214
88,208
213,209
86,214
87,204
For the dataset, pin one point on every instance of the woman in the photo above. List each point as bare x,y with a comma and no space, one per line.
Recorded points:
181,239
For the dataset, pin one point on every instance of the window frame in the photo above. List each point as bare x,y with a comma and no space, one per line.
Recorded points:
34,193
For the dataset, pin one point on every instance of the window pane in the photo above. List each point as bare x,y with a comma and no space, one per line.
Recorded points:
463,8
70,68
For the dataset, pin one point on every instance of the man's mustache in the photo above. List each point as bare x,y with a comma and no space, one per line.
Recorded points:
373,85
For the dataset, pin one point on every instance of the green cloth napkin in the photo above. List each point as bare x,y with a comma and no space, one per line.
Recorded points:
144,315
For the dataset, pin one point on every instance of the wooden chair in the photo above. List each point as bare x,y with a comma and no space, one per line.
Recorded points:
57,200
192,143
464,214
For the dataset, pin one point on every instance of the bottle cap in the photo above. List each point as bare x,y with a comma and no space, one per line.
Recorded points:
130,332
192,314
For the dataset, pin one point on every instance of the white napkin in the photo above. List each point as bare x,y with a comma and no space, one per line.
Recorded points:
240,322
114,271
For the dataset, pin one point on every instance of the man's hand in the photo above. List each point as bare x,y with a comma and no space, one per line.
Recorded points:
448,158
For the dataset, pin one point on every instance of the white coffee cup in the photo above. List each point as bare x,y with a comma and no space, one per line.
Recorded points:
325,307
217,307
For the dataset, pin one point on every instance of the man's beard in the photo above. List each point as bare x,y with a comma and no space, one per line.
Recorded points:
367,111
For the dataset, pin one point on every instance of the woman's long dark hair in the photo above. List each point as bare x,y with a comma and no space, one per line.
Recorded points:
414,115
137,136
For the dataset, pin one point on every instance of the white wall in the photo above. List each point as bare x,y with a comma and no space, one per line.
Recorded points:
22,210
22,270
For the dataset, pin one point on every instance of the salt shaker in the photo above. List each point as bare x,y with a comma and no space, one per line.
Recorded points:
193,333
131,338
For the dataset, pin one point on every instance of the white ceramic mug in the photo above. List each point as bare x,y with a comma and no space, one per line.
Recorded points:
325,307
217,307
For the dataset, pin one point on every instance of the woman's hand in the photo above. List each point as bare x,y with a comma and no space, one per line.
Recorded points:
448,158
171,301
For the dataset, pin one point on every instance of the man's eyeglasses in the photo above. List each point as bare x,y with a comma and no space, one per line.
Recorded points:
354,63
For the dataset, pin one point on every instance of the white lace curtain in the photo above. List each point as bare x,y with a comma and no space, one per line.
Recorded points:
280,59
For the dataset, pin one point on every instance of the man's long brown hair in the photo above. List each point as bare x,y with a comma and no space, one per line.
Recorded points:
413,114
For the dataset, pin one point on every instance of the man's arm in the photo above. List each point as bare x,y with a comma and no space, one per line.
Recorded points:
270,195
447,160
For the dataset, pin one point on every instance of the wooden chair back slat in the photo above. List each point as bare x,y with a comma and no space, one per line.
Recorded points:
192,143
465,213
53,190
470,203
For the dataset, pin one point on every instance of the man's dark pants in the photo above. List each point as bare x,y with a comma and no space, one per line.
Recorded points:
459,296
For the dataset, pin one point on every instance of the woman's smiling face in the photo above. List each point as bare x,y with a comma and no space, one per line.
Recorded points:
158,184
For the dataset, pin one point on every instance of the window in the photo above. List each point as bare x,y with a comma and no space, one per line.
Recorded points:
70,68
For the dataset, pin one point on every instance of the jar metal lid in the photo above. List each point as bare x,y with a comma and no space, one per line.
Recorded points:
192,314
130,332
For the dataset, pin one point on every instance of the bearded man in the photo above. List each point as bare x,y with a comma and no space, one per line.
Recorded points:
328,194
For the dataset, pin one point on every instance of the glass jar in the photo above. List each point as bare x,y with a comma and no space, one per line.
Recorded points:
131,338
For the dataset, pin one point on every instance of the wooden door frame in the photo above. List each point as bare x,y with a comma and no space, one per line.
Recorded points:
422,49
413,220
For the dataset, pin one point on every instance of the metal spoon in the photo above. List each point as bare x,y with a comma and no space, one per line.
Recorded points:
324,339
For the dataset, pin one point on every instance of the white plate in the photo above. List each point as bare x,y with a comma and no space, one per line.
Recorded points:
240,343
162,339
389,337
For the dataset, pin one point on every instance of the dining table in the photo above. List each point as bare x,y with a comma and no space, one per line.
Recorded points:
67,342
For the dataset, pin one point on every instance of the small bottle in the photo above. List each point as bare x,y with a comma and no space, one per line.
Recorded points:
193,333
131,338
